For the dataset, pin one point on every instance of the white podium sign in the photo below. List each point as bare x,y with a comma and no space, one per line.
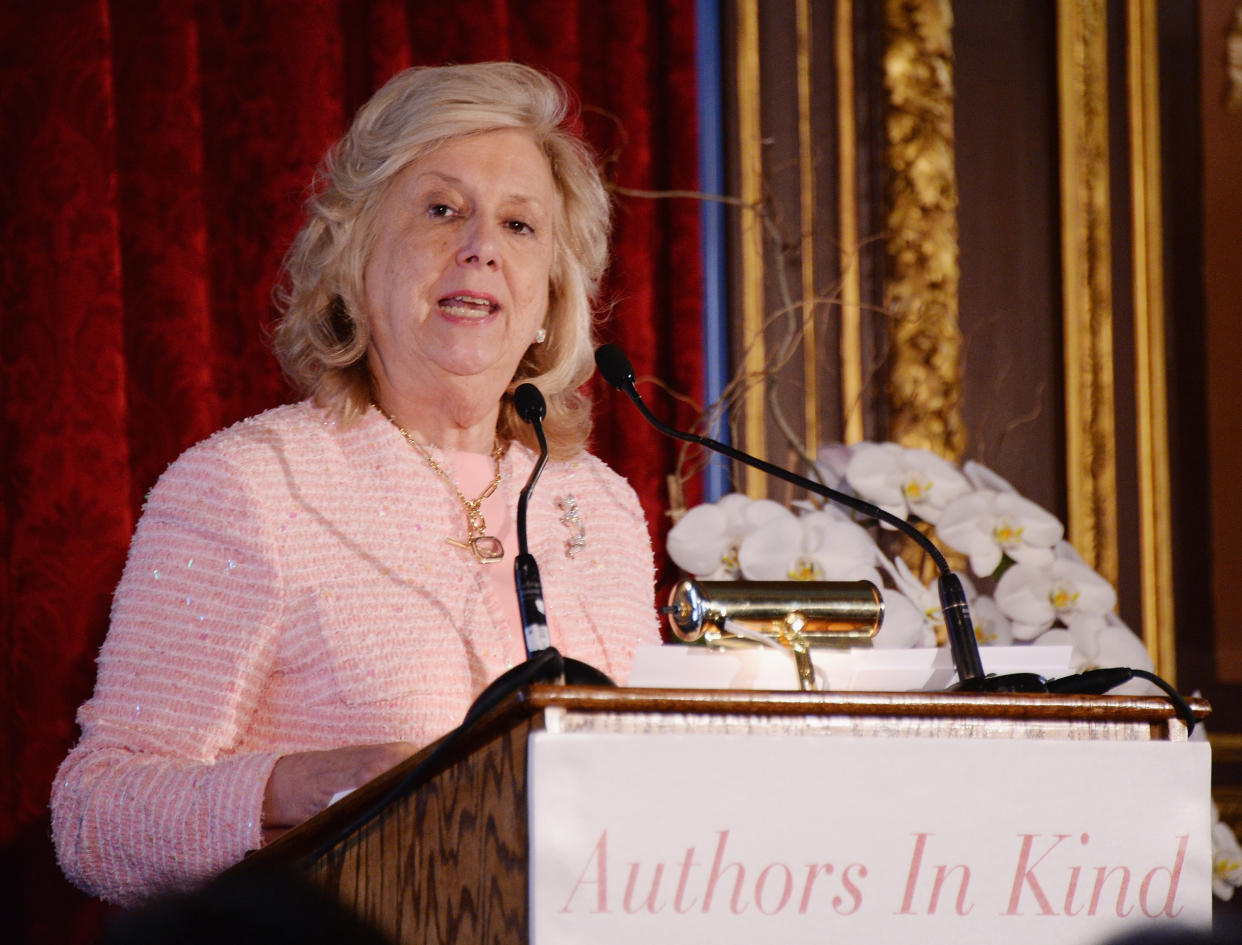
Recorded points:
668,838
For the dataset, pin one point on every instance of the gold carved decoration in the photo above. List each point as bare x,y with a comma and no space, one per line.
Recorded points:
921,287
1086,261
1154,509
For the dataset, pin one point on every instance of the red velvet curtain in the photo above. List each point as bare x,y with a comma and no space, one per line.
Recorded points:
156,155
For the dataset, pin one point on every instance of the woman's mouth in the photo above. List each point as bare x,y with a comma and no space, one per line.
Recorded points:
467,306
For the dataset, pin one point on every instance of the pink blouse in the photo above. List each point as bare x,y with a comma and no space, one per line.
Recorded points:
289,588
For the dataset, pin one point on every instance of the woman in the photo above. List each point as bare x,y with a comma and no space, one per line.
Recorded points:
317,591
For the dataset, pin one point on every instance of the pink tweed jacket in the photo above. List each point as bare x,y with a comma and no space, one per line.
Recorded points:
289,588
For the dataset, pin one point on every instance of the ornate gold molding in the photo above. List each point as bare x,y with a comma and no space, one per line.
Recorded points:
806,201
850,355
921,286
1155,510
1086,260
750,156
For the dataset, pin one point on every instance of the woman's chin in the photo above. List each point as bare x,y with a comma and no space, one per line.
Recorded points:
480,372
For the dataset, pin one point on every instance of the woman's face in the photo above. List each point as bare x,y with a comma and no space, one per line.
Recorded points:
457,281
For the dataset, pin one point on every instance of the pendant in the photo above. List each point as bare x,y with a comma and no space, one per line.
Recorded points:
486,549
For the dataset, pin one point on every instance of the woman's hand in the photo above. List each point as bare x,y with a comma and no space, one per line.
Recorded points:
302,784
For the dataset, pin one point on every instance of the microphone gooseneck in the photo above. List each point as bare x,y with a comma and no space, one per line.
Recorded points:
531,408
616,368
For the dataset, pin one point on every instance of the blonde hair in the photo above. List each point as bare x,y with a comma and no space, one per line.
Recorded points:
322,337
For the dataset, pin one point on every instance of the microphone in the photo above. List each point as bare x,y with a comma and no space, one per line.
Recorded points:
618,372
532,409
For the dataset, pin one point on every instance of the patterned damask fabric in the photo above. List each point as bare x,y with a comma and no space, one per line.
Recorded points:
156,155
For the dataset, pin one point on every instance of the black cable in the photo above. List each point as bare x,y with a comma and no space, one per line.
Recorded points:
1099,681
1180,704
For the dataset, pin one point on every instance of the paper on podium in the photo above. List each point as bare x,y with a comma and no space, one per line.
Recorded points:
846,670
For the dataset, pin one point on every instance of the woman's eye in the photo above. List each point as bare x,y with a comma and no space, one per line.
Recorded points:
440,210
520,226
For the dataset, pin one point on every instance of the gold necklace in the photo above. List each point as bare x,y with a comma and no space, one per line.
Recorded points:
487,549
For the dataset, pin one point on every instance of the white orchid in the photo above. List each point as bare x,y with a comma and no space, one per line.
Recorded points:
1058,636
1226,858
925,601
705,540
815,546
992,627
904,625
1226,852
700,543
904,481
1035,598
832,461
1103,640
988,525
981,477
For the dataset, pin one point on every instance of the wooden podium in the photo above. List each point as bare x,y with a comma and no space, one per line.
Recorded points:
444,852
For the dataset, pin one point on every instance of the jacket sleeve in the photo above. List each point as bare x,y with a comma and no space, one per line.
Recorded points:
153,796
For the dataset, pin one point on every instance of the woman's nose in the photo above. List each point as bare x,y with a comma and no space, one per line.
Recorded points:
479,247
